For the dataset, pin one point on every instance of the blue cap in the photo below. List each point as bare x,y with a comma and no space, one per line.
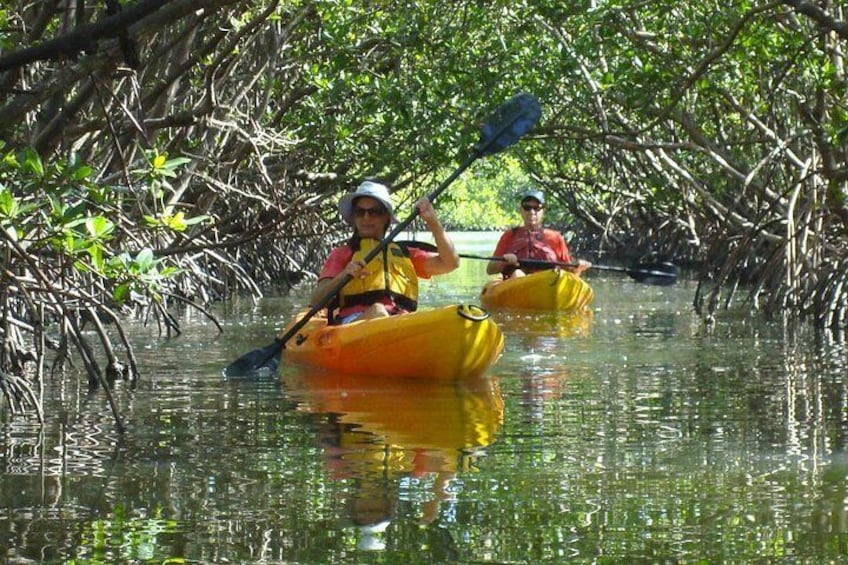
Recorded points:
533,193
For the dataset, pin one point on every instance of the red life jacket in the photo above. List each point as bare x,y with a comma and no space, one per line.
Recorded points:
533,244
537,244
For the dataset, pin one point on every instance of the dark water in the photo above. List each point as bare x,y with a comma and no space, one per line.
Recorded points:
626,435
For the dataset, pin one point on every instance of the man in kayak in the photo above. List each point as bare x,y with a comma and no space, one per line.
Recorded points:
389,283
532,241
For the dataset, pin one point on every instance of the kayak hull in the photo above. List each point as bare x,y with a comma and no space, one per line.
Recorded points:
453,342
553,289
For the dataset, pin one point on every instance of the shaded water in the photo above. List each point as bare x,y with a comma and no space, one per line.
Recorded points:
628,434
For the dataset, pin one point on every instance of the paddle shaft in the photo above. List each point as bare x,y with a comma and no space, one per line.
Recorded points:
524,262
655,272
540,262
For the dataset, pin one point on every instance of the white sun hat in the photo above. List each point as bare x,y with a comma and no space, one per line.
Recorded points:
369,188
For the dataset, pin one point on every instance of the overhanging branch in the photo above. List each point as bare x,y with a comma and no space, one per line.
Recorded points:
82,38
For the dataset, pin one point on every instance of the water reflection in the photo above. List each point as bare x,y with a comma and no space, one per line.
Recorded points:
628,436
388,437
544,343
551,324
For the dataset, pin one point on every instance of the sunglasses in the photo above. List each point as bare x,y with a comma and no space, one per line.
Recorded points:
375,212
529,207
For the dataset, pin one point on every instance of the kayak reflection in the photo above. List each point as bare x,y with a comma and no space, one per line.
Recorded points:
429,425
559,324
547,343
378,431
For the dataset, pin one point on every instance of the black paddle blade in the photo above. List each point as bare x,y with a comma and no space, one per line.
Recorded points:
258,361
658,274
511,120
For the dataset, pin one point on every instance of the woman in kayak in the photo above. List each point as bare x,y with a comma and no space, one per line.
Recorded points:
388,284
531,241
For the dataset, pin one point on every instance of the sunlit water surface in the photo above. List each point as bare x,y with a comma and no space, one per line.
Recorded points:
628,434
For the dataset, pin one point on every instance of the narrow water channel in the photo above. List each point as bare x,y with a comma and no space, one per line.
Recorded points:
626,434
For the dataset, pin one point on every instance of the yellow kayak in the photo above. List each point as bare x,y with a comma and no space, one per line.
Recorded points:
453,342
553,289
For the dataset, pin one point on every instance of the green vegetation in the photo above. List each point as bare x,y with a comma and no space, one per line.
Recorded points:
486,199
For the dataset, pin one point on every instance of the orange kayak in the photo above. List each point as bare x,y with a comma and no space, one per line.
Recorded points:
453,342
553,289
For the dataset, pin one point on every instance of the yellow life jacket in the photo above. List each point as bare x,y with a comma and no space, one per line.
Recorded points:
392,276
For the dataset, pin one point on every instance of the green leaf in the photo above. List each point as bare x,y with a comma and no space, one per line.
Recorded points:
96,254
32,162
170,271
145,259
121,293
82,173
99,227
175,162
8,204
197,219
11,161
175,222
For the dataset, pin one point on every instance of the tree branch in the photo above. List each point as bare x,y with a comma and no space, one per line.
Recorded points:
822,18
83,38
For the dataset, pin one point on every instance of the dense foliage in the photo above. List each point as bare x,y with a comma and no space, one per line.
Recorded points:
160,153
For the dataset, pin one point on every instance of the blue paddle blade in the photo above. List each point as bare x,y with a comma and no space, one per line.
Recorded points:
511,120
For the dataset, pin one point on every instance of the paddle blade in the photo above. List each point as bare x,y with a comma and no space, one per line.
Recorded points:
257,362
511,120
658,274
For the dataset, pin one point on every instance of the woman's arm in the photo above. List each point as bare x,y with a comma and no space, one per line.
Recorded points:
446,258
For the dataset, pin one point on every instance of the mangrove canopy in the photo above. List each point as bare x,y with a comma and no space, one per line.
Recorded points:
166,154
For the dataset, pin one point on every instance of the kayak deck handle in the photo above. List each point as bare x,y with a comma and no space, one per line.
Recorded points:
472,312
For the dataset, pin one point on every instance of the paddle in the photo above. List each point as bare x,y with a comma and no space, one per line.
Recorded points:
660,274
504,127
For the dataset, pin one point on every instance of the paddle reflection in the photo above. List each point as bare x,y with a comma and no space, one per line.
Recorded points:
379,432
